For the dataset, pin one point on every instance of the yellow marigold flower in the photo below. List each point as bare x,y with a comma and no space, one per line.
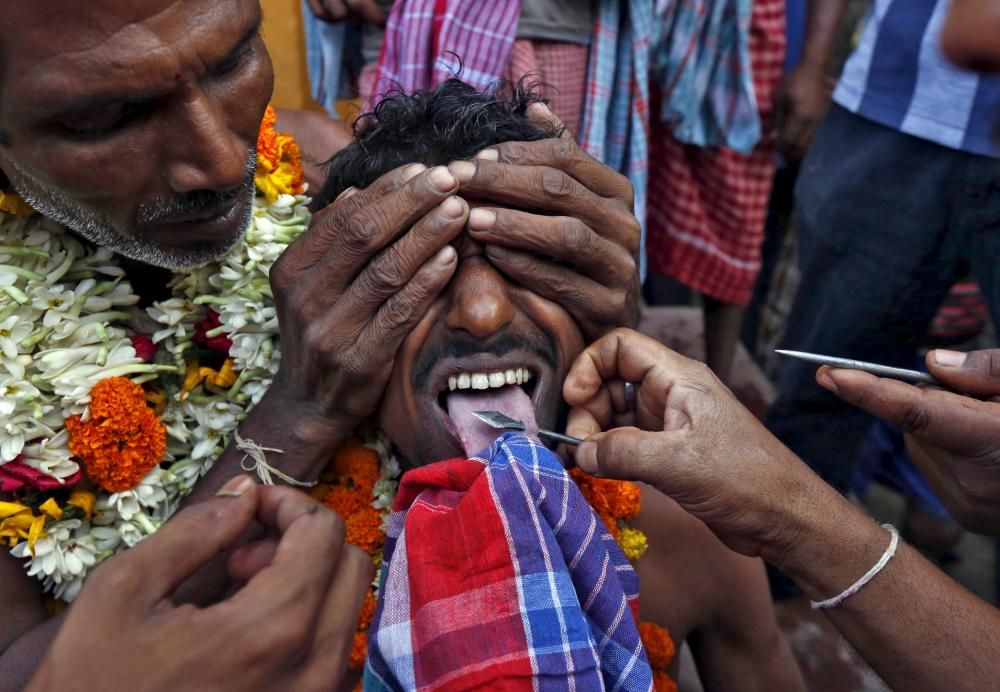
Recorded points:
633,542
9,509
223,378
51,508
83,500
279,161
11,203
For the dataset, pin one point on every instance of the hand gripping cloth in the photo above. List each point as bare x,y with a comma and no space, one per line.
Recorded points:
497,574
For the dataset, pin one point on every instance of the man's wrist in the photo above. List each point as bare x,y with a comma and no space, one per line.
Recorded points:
306,436
828,543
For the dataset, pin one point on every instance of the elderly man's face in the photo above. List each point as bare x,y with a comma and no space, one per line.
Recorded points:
483,328
135,123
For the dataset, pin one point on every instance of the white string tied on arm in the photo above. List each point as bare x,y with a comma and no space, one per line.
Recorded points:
867,577
255,459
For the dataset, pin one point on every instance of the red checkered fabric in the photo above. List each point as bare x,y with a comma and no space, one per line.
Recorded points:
562,70
707,207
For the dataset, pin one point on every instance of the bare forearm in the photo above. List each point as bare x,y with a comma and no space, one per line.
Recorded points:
822,24
915,626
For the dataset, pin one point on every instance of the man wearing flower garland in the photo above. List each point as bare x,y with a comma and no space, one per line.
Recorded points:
134,126
505,330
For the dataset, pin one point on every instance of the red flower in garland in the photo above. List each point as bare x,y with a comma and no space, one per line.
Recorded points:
219,343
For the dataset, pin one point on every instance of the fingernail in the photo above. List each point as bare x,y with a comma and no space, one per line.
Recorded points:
826,381
236,486
586,457
463,170
445,256
481,219
345,194
489,155
442,179
413,169
452,207
949,359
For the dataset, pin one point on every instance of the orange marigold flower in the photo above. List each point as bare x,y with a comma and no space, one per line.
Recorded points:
122,440
279,161
364,529
659,645
359,651
367,610
662,682
611,498
346,501
355,466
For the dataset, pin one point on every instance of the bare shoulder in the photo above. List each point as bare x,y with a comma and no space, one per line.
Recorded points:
685,557
718,600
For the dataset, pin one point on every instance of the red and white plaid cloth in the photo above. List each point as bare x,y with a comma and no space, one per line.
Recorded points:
707,207
429,41
498,575
560,70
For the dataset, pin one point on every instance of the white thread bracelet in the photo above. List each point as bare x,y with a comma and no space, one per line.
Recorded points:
868,576
254,453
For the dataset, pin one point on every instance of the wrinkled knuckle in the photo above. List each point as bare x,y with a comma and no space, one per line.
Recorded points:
556,184
357,239
384,273
914,417
577,237
115,581
288,637
398,310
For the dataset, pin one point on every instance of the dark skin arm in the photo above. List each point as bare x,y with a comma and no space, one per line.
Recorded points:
804,93
915,626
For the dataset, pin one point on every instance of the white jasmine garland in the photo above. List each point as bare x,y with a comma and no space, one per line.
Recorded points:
66,313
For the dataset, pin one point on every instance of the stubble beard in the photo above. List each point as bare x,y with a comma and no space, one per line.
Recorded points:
97,228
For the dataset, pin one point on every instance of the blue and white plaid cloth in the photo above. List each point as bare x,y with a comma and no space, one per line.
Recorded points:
615,123
498,574
701,59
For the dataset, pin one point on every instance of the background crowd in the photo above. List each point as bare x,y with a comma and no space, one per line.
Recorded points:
817,175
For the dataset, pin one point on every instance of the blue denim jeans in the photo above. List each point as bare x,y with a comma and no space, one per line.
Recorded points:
887,223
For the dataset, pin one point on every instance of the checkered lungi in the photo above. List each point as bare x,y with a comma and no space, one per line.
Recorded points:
707,207
560,71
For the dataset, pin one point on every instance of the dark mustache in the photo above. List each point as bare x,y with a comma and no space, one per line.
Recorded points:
463,347
159,210
150,214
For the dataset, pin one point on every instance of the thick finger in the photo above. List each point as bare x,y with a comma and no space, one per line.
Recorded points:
338,621
945,419
329,223
401,312
593,416
311,539
563,153
368,10
151,571
250,558
395,267
626,454
623,354
976,372
592,304
547,189
564,238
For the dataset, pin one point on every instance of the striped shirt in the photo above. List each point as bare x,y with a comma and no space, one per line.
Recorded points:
898,77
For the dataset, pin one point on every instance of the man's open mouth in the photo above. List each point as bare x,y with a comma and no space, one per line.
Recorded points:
511,390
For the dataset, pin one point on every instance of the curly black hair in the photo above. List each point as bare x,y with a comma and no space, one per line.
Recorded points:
453,121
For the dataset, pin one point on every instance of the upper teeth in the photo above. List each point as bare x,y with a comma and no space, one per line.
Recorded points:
489,380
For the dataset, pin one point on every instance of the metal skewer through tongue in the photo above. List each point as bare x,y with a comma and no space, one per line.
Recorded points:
501,421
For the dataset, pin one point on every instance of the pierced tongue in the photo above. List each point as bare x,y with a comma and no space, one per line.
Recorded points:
477,435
